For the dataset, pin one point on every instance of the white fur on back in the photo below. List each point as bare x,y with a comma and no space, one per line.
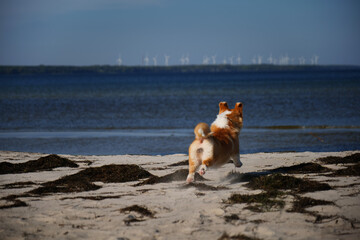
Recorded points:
221,120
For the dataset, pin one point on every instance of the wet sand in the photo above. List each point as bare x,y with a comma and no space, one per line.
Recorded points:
294,195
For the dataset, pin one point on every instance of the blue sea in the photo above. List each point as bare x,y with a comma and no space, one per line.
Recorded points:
154,114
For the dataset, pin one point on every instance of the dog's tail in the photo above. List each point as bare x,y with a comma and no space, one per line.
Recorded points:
201,131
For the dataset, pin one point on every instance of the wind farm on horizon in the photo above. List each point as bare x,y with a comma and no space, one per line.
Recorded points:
230,60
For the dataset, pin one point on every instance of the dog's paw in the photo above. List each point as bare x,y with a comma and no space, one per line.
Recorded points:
202,170
190,178
238,164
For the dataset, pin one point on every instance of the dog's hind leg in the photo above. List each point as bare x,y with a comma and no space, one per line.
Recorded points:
194,163
207,158
192,168
204,166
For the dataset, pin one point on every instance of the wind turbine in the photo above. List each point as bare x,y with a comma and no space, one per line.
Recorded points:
275,61
187,59
224,61
270,59
238,60
231,60
146,60
253,60
167,57
119,60
301,60
213,59
206,60
155,60
315,59
287,59
284,60
281,60
182,60
260,60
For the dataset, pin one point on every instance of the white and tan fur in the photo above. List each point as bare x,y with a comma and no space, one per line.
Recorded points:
215,148
201,131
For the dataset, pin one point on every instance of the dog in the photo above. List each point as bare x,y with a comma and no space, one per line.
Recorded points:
214,147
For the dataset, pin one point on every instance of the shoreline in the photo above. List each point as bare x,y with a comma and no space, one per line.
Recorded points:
36,205
9,70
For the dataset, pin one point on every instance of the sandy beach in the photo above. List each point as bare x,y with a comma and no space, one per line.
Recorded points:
293,195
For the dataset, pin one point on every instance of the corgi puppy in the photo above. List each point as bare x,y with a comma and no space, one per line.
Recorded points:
220,145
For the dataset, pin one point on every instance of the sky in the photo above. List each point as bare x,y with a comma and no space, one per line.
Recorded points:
140,32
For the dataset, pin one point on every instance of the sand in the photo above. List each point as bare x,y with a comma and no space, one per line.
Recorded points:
230,203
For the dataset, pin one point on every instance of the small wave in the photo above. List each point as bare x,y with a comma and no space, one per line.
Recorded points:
296,127
98,133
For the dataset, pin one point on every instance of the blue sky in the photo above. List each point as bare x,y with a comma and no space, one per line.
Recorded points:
89,32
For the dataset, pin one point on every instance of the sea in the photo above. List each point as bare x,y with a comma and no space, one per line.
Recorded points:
155,113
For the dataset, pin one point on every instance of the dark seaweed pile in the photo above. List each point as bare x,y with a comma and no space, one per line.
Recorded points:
301,203
278,181
44,163
274,184
354,158
225,236
353,170
204,187
82,181
261,202
302,168
139,209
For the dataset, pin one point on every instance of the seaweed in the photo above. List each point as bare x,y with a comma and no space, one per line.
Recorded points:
301,203
179,175
236,177
354,158
353,170
95,198
225,236
258,221
131,218
302,168
203,187
44,163
114,173
67,184
18,185
232,217
278,181
263,201
139,209
16,203
82,181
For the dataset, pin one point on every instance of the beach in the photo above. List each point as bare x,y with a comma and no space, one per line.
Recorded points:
280,195
100,103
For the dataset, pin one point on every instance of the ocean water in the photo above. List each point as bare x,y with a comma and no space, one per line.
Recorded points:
156,113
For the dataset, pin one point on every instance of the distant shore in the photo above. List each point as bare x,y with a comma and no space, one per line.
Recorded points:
130,70
293,195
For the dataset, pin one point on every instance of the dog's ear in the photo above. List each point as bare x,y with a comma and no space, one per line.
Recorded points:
223,106
239,107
